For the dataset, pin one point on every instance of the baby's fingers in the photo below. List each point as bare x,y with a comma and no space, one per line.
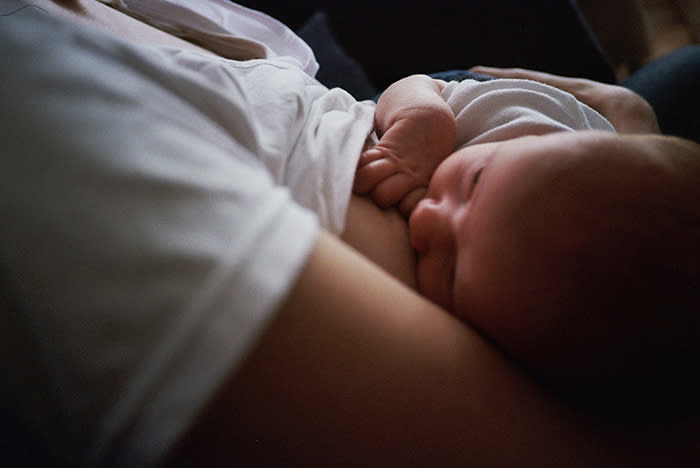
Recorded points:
409,202
392,190
369,174
370,155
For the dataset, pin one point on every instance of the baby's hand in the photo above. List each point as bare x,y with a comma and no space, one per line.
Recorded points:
397,170
379,171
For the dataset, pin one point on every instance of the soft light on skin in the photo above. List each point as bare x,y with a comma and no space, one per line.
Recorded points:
468,230
542,242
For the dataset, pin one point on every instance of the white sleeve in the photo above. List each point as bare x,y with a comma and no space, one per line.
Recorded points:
143,248
503,109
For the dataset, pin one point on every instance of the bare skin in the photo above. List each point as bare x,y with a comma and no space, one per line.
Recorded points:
555,257
358,370
544,242
379,234
417,130
406,386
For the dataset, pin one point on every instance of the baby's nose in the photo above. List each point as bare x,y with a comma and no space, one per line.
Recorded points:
427,225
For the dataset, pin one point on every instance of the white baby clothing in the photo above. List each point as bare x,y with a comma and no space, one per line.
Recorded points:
498,110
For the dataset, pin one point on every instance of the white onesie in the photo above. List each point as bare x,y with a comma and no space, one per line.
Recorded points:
497,110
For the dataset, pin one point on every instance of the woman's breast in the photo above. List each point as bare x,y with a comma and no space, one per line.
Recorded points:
381,236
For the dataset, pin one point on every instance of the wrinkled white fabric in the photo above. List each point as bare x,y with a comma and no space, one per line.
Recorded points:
227,28
157,205
502,109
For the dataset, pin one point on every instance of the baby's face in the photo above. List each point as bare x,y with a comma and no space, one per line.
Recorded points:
473,203
492,211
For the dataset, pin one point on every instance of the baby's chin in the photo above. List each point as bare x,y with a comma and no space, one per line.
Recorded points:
514,318
434,296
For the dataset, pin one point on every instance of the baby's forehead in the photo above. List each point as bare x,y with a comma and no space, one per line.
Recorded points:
595,156
568,147
583,174
614,180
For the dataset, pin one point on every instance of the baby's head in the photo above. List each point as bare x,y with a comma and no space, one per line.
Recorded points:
577,253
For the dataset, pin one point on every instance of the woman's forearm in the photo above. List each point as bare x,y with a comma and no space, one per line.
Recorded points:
357,370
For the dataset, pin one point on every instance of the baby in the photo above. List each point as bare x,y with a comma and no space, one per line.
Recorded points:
575,252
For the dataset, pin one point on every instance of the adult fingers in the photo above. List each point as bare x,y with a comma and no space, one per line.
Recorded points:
575,86
524,74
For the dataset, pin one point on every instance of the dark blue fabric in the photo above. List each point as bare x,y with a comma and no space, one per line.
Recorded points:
671,84
337,68
461,75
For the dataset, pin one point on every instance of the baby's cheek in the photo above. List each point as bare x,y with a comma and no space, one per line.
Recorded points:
464,291
484,302
430,281
463,301
425,278
517,317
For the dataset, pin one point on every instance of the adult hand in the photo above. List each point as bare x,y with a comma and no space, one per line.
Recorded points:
626,110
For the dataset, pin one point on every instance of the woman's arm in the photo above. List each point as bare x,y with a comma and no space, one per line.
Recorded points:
357,370
627,111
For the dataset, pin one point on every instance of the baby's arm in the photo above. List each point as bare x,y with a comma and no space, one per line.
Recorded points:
416,130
